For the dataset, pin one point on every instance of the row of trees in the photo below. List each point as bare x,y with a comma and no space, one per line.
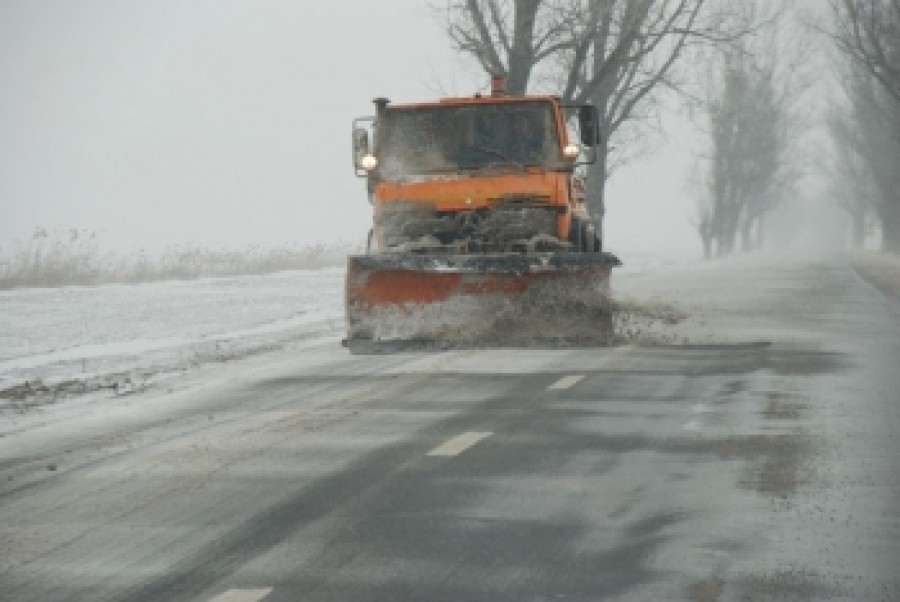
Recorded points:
866,131
751,129
747,141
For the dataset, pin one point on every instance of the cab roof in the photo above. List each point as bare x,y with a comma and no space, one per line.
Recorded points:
478,99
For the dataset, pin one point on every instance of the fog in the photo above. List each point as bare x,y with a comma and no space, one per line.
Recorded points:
227,123
202,122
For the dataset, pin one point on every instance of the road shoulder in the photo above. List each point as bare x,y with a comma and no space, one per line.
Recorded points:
881,270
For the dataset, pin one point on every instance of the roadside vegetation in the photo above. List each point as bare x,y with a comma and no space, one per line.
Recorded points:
74,257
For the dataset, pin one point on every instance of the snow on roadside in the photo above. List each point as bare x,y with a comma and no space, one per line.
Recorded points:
55,342
879,269
121,338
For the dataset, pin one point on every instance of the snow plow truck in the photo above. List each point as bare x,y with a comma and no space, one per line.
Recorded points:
480,226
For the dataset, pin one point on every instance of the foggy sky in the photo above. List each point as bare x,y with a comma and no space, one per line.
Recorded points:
227,123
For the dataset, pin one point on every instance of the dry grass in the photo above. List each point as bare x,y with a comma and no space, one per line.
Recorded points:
73,257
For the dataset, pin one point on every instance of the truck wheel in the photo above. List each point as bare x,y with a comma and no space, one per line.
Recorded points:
592,242
587,238
576,234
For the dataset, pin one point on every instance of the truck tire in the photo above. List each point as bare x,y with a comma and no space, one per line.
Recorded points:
592,242
576,235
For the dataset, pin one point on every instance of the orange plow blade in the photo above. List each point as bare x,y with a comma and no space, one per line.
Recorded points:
489,299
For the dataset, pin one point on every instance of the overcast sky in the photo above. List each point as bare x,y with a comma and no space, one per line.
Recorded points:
227,122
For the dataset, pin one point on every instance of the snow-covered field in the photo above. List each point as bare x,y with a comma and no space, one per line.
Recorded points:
60,341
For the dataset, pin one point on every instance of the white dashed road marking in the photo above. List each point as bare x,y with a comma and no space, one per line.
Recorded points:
243,595
458,444
565,382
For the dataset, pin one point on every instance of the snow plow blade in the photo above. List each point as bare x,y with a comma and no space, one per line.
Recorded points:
501,299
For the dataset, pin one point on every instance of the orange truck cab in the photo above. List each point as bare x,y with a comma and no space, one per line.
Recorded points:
482,174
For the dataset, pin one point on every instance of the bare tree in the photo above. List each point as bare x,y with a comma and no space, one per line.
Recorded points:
751,125
852,182
703,224
745,153
615,54
868,34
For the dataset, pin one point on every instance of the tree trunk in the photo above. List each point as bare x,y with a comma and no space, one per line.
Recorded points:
596,188
521,54
726,232
598,173
725,227
858,230
890,227
707,245
747,235
726,242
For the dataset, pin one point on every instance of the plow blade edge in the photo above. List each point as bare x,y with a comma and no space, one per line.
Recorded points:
468,297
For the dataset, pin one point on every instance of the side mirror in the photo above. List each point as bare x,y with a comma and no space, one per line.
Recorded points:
360,146
589,125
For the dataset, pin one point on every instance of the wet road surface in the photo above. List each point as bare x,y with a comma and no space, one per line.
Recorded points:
750,452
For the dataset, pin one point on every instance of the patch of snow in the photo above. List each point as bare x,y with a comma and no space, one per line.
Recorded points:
130,332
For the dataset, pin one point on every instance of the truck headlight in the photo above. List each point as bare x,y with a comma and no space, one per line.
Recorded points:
571,151
368,163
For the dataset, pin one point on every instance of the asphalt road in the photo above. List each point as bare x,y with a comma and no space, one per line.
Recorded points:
750,452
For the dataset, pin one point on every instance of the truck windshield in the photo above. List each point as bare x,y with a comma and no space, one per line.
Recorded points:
432,140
